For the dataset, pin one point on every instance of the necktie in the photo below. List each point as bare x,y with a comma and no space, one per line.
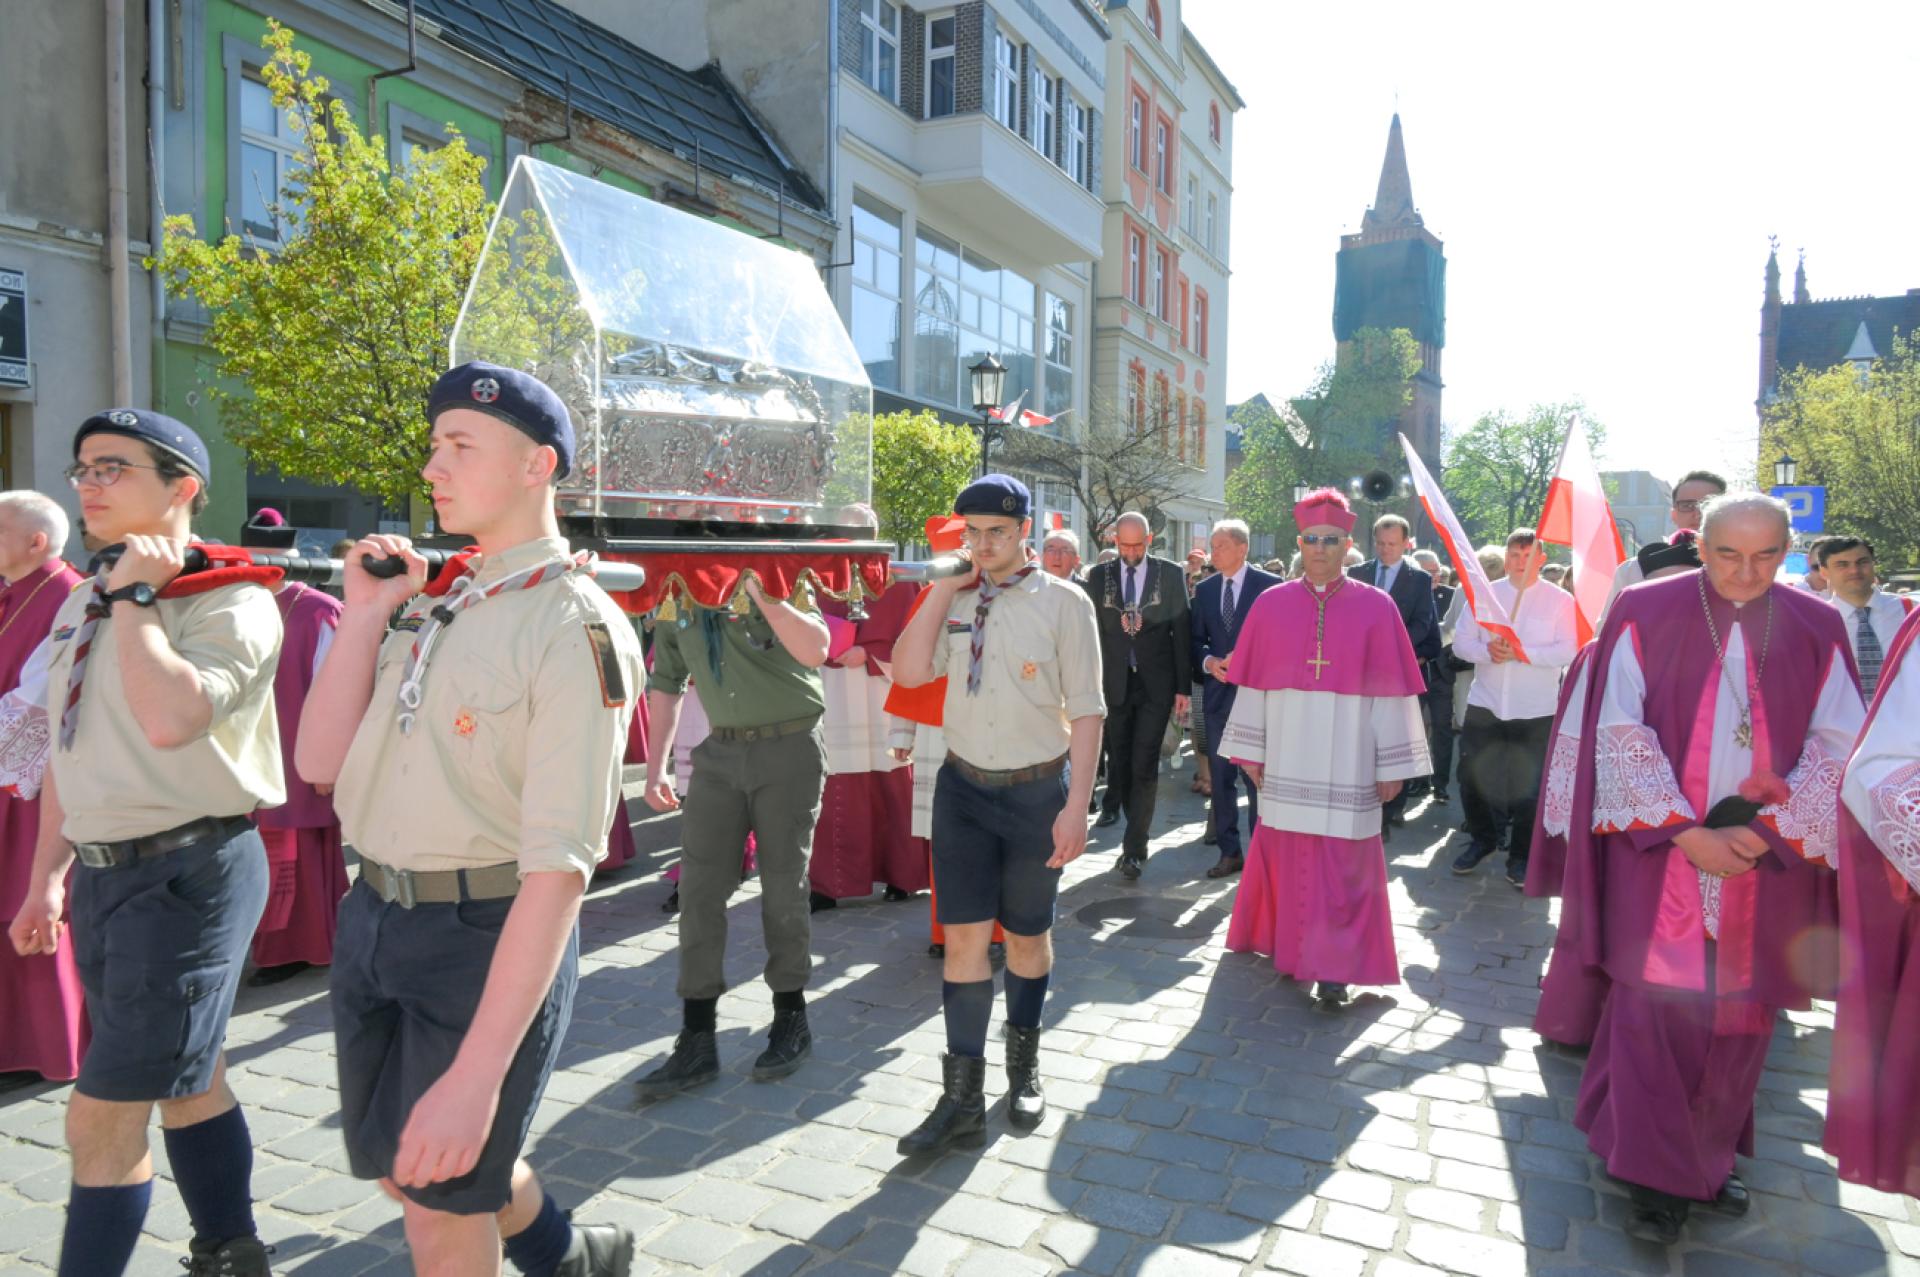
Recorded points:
988,593
1867,650
1226,609
1129,595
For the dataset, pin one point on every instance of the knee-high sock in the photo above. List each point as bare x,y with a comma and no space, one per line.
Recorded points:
1026,995
537,1249
968,1007
102,1226
213,1166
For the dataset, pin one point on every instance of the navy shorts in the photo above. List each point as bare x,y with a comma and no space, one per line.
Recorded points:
991,845
160,945
405,986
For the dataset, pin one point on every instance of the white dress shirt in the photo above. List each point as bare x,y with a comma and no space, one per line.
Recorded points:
1238,580
1885,612
1544,619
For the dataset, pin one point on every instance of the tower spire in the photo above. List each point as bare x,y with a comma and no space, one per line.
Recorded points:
1800,293
1393,202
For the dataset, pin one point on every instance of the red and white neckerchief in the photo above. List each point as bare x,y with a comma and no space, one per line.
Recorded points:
457,593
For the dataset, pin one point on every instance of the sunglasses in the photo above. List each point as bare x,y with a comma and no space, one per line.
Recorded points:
1329,539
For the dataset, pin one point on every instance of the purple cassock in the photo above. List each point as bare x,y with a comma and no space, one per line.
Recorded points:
1873,1107
307,868
1699,966
43,1018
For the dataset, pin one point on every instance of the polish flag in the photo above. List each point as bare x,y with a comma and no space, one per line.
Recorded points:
1577,516
1058,521
1481,604
1032,418
1010,412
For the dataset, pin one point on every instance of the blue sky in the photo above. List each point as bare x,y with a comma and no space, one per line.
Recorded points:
1605,179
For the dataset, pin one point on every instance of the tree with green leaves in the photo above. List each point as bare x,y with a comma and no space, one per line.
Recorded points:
1498,470
329,343
1859,436
920,463
1342,426
1105,462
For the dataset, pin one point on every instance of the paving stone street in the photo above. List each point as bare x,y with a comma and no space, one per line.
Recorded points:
1205,1119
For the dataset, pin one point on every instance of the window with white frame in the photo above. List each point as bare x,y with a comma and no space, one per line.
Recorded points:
1059,356
1006,80
880,47
1193,199
1043,109
267,145
1213,215
966,307
1136,247
940,66
1199,322
1079,153
1162,156
876,289
1157,299
1137,134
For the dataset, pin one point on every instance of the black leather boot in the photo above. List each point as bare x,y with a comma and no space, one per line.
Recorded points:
238,1257
695,1059
1025,1104
960,1117
598,1250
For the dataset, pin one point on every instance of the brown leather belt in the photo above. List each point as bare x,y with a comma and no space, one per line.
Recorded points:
1001,780
116,855
409,887
792,727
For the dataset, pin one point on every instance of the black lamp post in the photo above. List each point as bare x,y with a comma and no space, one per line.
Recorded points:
989,381
1786,470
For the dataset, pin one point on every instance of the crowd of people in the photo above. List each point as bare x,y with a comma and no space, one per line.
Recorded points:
187,757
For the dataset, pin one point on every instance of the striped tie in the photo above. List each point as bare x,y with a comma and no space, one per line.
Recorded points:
988,593
1866,650
97,608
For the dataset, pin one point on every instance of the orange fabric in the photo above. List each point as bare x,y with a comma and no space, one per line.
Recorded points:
927,703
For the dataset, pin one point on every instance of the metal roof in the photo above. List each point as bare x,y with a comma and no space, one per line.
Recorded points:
546,45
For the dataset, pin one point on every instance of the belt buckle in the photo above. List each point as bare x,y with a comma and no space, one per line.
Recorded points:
403,888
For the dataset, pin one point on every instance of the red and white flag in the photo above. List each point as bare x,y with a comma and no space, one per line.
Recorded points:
1010,413
1481,604
1030,418
1577,515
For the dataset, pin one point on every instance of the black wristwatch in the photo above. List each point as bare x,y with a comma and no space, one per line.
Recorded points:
140,594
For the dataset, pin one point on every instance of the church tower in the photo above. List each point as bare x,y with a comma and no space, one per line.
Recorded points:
1393,274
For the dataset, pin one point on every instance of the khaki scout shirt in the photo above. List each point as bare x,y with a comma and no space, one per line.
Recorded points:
757,683
515,754
113,784
1039,672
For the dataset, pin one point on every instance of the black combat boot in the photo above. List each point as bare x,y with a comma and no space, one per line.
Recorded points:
1025,1104
598,1250
236,1257
961,1115
789,1043
695,1059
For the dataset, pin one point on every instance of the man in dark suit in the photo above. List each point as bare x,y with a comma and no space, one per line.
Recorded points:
1141,604
1220,602
1441,673
1412,592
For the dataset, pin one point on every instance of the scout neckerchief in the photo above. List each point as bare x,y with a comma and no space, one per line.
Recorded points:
455,586
988,593
226,565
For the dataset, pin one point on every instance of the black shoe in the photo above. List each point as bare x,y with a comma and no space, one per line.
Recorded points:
819,902
266,977
672,902
1397,817
1105,818
1440,795
789,1043
960,1116
1130,867
1732,1199
1517,872
1656,1217
695,1059
1025,1104
893,894
1469,860
1227,867
237,1257
936,951
598,1250
1331,996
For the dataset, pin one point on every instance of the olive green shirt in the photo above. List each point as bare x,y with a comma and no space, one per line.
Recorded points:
756,682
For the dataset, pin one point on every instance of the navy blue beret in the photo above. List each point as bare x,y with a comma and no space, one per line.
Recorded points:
520,399
163,432
994,494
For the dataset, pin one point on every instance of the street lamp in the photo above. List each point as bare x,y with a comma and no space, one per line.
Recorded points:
1300,491
989,382
1786,470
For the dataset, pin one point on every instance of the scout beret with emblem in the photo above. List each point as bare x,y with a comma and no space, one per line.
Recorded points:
994,494
520,399
163,432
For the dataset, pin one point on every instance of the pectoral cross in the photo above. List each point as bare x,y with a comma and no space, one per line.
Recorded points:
1317,662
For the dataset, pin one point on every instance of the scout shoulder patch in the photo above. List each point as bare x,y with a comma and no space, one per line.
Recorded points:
606,659
958,627
410,624
62,634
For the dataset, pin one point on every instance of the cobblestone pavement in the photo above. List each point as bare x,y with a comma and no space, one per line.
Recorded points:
1204,1118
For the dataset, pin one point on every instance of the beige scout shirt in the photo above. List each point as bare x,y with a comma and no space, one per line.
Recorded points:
1040,671
516,752
113,784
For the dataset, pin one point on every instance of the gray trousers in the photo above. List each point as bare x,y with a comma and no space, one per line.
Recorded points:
771,789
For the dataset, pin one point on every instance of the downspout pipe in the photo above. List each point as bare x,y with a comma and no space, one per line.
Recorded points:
156,193
119,267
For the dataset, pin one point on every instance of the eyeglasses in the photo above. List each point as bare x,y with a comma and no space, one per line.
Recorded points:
990,536
101,473
1329,539
1688,507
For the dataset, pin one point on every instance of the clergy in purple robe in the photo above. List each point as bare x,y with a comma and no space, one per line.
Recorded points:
1327,724
1699,880
1873,1107
43,1020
